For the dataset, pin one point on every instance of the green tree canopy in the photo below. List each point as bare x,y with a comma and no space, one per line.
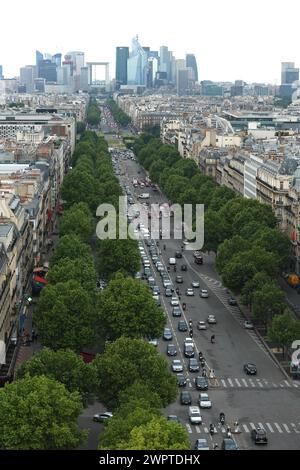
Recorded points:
66,367
117,255
126,308
126,361
284,330
80,269
65,316
267,302
38,413
78,220
70,246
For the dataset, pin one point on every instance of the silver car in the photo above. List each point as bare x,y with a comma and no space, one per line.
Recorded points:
176,365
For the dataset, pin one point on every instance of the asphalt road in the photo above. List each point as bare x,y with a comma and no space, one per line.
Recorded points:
268,399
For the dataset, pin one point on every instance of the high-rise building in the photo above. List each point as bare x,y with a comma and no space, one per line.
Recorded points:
84,79
27,76
191,62
137,64
39,85
183,81
77,58
1,72
152,70
289,73
47,70
38,57
164,60
56,59
122,55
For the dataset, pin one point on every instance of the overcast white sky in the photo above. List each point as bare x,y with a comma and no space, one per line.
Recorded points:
232,39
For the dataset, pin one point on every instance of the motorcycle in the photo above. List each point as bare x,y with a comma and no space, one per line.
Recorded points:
211,429
184,306
202,362
222,418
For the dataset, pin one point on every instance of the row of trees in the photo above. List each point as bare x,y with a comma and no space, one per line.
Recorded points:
243,233
93,113
129,376
119,116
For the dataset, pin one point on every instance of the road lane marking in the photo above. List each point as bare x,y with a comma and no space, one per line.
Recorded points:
295,385
278,428
205,429
251,382
285,426
252,426
189,428
230,382
259,383
245,428
238,383
198,429
269,427
287,383
261,426
224,383
245,382
294,428
275,385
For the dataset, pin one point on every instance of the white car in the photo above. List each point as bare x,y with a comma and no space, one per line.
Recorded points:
211,319
204,400
172,261
102,417
248,325
195,284
174,302
154,342
189,291
204,293
201,325
176,365
195,415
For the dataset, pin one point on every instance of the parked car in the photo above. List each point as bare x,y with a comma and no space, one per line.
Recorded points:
102,417
174,418
250,368
232,301
167,335
259,436
248,325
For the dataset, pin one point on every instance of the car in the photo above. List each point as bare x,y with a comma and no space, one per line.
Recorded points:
167,283
229,444
185,398
154,342
201,383
201,325
182,325
179,279
232,301
201,444
189,348
211,320
176,365
173,418
183,267
181,380
178,254
176,312
172,261
193,365
204,401
198,260
174,302
168,292
259,436
189,291
102,417
195,415
156,290
204,293
156,297
250,368
171,350
167,335
195,284
248,325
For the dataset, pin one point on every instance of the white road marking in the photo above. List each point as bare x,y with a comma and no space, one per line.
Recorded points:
261,426
252,426
295,385
251,382
238,383
259,383
245,382
286,428
224,383
269,427
294,428
189,428
278,428
198,429
230,382
245,427
205,429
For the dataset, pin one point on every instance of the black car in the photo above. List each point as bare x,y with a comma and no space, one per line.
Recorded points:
259,436
182,325
229,444
232,301
185,398
183,267
171,350
193,365
250,369
181,380
167,334
201,383
176,312
178,254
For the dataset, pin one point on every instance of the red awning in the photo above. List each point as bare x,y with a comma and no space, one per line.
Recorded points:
40,279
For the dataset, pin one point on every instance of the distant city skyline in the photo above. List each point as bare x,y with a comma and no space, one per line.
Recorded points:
229,42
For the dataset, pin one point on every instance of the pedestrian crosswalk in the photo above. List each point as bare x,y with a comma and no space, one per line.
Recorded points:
270,428
250,382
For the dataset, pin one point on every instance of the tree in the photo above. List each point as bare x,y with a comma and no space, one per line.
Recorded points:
275,241
77,221
65,316
157,434
126,308
267,302
136,395
64,366
80,127
117,255
127,360
284,330
229,248
38,413
79,186
254,284
236,273
80,269
221,196
70,246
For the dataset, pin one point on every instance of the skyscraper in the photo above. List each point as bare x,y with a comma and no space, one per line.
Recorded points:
164,60
27,76
47,70
183,81
38,57
56,59
191,62
122,55
137,64
289,73
1,72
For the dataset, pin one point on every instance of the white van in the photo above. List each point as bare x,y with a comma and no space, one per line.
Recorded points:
144,196
195,415
172,261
